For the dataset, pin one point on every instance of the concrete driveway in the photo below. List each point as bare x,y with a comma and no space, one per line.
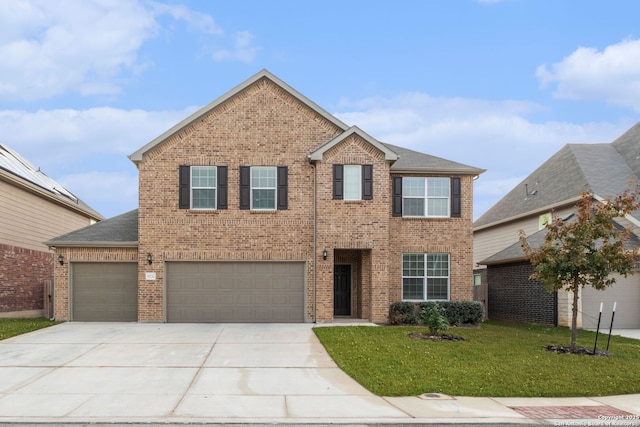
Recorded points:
124,372
106,373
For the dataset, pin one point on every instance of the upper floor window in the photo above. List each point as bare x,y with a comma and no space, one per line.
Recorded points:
425,197
202,187
433,197
425,277
353,182
263,188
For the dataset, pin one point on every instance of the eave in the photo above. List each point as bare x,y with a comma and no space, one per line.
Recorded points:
46,194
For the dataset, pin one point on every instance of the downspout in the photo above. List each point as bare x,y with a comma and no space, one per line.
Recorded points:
315,242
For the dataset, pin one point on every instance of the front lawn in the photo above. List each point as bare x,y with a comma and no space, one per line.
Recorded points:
496,359
12,327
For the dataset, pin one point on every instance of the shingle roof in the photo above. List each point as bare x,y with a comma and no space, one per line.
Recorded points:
119,231
604,169
515,253
17,166
414,161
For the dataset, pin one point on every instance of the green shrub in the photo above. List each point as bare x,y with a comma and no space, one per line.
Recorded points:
402,313
456,312
432,317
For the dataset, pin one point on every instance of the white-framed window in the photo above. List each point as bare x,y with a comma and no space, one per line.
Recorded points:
204,183
263,188
426,197
425,277
477,279
352,182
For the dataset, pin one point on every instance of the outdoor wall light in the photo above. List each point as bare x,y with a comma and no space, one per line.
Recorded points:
61,259
149,258
324,254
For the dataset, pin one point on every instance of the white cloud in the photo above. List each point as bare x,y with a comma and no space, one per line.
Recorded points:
90,47
52,138
109,193
242,51
84,46
86,150
493,135
195,20
611,75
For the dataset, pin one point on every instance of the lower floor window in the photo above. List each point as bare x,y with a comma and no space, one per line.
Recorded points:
425,277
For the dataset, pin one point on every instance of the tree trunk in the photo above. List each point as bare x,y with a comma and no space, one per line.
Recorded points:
574,314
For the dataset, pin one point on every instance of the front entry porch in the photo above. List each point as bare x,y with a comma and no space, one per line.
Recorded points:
351,282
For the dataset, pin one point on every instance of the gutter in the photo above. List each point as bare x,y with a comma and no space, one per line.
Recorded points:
88,244
315,240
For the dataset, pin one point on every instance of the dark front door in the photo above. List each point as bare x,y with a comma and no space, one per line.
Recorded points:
342,290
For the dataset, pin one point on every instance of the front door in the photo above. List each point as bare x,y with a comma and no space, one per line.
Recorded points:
342,290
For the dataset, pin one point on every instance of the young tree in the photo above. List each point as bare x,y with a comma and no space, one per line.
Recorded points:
586,249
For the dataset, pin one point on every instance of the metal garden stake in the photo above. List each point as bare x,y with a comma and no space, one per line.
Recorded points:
611,327
597,330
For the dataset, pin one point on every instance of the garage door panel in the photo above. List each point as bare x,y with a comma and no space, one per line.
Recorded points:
104,292
625,293
235,292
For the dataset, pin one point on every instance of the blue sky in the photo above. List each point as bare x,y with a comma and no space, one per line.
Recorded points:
496,84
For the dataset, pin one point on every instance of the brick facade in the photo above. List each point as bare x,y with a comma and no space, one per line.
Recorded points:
265,125
514,297
76,255
23,273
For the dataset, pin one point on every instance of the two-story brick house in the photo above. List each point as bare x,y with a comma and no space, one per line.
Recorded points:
263,207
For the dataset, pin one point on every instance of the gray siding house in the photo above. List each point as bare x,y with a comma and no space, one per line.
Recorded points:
553,189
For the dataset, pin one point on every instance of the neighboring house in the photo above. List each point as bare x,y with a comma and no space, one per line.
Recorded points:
263,207
33,209
554,188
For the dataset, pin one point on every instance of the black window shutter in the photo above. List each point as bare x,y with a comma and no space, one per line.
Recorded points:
222,187
338,182
456,198
245,187
367,182
396,209
184,187
283,188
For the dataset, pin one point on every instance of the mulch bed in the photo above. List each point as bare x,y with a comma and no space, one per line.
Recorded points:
561,349
439,337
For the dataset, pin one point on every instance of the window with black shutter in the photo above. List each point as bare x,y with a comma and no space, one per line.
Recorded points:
456,197
352,182
245,187
202,187
338,182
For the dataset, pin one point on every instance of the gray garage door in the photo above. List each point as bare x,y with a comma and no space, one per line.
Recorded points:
235,291
105,292
625,293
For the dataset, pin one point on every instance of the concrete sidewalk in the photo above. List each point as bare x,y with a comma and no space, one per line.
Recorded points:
233,373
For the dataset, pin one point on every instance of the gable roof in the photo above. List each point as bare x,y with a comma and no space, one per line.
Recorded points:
405,160
119,231
15,168
263,74
602,169
388,153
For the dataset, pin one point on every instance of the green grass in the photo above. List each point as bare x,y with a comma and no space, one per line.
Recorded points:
497,359
12,327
